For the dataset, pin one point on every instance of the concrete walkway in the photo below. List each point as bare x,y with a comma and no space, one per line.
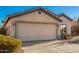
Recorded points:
57,46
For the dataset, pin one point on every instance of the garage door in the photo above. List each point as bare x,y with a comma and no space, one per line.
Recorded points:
35,31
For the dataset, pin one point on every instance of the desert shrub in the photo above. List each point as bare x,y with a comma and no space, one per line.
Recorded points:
9,44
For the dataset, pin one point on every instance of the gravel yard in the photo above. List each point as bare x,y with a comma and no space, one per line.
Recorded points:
56,46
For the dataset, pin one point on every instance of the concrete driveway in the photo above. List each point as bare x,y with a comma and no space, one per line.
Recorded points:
56,46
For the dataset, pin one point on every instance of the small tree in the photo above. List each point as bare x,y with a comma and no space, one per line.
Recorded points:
3,31
77,27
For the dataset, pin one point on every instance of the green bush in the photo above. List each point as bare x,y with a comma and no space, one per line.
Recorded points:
9,44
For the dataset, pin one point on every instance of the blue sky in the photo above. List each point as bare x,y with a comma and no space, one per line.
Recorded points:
71,11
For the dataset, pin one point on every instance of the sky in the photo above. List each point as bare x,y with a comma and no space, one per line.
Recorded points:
71,11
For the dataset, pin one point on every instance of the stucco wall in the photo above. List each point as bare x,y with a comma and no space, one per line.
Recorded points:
36,17
8,27
67,22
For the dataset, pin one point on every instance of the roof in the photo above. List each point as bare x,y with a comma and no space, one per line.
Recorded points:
32,10
65,16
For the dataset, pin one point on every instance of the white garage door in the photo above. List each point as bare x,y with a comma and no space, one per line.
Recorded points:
33,31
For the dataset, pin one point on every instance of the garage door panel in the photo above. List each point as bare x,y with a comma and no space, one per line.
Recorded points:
32,31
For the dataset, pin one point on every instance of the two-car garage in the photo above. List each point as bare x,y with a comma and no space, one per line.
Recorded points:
36,31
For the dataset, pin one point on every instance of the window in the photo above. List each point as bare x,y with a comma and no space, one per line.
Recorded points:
63,27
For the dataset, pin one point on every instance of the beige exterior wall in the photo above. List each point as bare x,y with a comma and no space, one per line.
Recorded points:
13,28
8,27
67,22
36,17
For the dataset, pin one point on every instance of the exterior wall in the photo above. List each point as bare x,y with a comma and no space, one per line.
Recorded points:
67,22
13,29
36,17
8,27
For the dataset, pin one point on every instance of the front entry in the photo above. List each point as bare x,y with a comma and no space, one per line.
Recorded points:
63,31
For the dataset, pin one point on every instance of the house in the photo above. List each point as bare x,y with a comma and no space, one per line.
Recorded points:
37,24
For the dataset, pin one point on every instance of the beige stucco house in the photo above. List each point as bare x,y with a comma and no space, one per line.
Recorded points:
37,24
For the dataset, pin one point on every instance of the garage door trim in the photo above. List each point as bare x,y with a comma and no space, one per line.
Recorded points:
36,23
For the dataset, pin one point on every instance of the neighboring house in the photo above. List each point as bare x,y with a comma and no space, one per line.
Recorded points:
37,24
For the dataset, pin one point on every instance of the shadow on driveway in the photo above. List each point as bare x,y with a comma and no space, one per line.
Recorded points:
30,43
